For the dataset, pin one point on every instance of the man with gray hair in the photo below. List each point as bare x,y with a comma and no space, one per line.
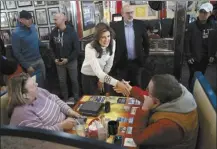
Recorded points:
65,49
132,46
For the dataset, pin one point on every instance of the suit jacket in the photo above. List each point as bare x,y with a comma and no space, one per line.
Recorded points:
141,43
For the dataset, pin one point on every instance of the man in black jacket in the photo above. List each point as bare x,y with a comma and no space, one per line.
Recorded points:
65,46
132,46
199,42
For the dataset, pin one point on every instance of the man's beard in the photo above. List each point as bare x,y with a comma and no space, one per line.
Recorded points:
129,20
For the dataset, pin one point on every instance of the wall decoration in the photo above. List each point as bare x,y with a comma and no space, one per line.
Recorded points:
144,12
13,18
138,2
6,36
151,12
24,3
2,5
52,2
140,11
11,5
33,16
39,3
12,30
44,33
88,14
52,12
98,12
4,20
52,27
41,16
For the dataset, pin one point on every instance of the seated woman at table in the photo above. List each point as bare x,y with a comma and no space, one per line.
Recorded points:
32,106
168,117
99,56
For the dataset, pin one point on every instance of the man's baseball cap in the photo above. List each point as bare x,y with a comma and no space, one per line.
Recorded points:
207,7
25,15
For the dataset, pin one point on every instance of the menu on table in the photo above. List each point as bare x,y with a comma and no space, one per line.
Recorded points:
122,109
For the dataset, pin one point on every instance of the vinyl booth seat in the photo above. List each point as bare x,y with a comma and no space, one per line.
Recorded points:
206,102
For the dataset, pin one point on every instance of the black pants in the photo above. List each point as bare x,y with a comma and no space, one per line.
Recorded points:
90,86
197,66
130,73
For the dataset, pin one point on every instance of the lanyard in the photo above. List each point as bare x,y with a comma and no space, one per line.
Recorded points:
60,37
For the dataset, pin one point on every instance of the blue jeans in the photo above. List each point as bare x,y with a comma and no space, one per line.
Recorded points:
71,67
38,65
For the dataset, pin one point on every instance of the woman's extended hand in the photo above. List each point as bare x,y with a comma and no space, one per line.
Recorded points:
122,88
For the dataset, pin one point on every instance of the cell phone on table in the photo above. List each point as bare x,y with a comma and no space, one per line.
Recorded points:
118,140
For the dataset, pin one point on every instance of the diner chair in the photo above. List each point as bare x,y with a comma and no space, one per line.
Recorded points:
206,104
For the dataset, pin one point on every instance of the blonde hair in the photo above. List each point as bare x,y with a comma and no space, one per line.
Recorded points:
17,91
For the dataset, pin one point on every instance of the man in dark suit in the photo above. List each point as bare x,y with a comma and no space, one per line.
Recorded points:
132,46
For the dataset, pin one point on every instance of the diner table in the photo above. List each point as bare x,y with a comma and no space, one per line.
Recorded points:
117,112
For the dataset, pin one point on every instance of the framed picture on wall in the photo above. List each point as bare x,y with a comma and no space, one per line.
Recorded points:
24,3
13,18
2,5
138,2
6,36
151,12
10,4
12,30
88,14
33,16
44,33
52,12
4,20
52,2
39,3
41,16
52,27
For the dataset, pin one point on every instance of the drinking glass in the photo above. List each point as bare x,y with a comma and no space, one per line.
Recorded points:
80,130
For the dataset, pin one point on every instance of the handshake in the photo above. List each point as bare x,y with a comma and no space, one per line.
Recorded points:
123,87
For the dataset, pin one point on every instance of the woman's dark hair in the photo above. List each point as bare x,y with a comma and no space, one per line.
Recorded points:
99,30
166,88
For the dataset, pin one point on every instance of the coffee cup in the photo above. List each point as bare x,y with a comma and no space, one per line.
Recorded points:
113,127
